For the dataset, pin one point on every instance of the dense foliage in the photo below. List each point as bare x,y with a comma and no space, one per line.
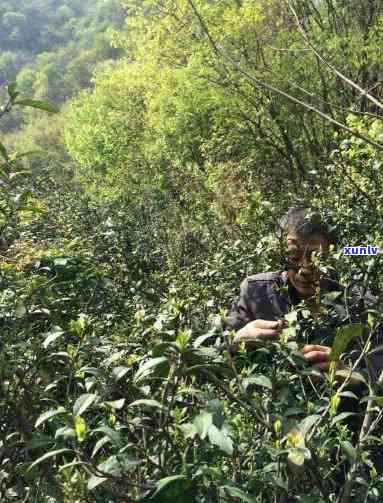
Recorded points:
125,237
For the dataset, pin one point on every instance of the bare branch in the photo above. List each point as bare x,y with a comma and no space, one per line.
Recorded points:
265,86
304,33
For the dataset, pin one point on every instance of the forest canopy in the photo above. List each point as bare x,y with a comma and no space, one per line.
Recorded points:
52,47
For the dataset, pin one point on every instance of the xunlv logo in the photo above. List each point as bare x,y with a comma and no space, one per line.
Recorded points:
361,250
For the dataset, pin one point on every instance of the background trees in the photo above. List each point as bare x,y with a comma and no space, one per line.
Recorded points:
51,48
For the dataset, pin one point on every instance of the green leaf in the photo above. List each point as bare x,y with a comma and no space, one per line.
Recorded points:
295,437
70,465
188,429
376,349
116,404
202,338
307,423
12,86
47,415
83,402
171,488
114,435
119,372
20,309
80,428
355,375
100,443
41,105
234,492
147,403
118,464
221,439
343,338
29,152
291,317
149,367
259,380
65,432
52,335
3,152
349,450
348,394
296,457
48,455
38,441
202,422
60,261
95,481
289,333
341,417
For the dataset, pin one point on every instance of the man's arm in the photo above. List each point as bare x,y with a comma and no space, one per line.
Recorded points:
241,319
239,313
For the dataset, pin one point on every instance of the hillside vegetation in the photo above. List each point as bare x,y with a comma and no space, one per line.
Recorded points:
51,47
128,220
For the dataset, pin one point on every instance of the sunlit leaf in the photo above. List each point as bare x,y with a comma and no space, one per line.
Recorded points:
83,402
116,404
118,464
48,455
95,481
307,423
188,429
80,428
41,105
220,438
259,380
12,86
202,338
119,372
149,367
202,422
349,450
52,335
60,261
20,309
48,414
296,457
99,444
234,492
171,488
114,435
296,438
343,338
65,432
342,416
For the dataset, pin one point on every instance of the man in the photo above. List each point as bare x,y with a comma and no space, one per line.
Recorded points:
257,315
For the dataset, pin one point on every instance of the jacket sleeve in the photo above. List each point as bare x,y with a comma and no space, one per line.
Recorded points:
239,313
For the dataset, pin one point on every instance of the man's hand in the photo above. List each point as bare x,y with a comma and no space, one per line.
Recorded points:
319,357
258,330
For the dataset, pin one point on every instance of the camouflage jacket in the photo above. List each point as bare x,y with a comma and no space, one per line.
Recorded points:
271,295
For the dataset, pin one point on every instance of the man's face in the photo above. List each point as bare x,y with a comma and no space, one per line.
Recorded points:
306,277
